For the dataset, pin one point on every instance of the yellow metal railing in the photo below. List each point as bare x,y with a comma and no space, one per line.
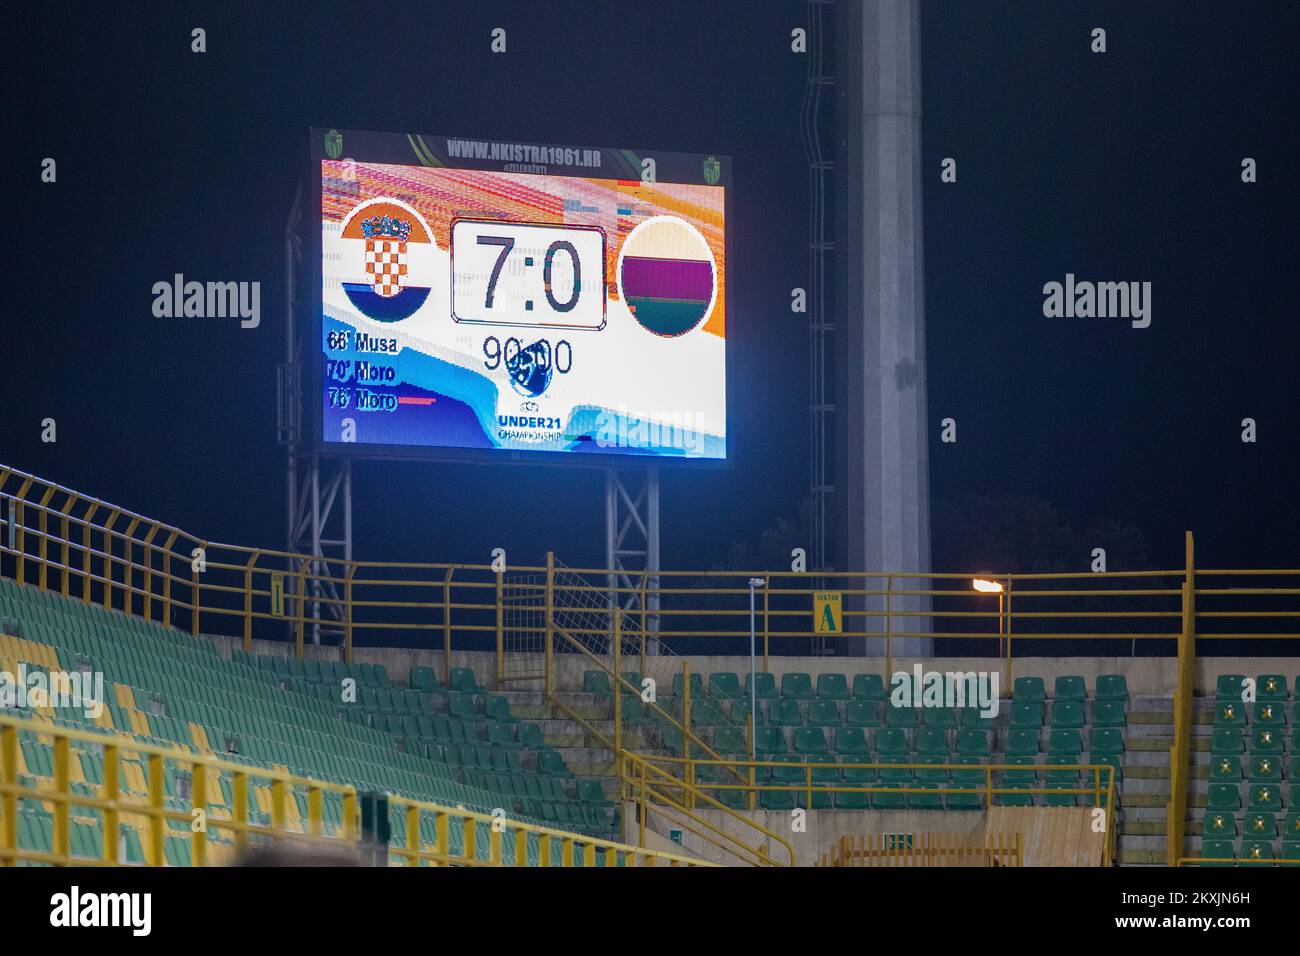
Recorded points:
651,787
1101,791
485,839
216,837
59,539
196,823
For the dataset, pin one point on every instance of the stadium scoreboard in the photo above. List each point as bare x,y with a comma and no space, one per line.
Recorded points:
481,297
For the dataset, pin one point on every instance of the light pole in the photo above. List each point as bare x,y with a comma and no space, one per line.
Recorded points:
985,586
753,677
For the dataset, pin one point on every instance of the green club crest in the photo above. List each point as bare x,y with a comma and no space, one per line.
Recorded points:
712,170
333,144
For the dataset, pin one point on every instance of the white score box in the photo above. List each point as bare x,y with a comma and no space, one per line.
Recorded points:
528,274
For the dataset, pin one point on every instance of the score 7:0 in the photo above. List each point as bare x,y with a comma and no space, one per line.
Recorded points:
506,243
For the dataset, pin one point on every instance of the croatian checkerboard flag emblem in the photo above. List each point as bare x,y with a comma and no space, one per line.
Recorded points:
391,244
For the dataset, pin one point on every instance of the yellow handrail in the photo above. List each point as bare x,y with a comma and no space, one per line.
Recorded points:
198,823
636,767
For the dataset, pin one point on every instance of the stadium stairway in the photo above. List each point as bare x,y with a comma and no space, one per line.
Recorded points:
442,745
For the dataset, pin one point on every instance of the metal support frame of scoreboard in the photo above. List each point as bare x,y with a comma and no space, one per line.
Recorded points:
632,518
318,490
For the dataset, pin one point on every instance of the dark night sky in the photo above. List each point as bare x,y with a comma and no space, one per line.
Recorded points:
1123,166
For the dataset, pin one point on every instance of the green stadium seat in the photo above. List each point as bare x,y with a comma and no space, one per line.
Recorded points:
833,686
824,713
1060,799
422,678
501,735
870,687
793,771
530,735
1063,776
1027,714
1021,742
851,801
851,740
888,801
785,713
810,740
1218,850
1028,689
729,741
797,686
1270,687
975,719
891,742
861,713
1290,851
697,685
1267,740
726,685
458,705
769,741
780,800
940,718
673,740
965,801
925,801
1013,799
1266,769
1219,826
858,776
1067,715
1065,741
931,741
1223,796
1109,713
1291,827
550,762
1260,826
1069,687
1230,686
764,684
497,707
973,743
1227,741
707,712
1024,774
1225,768
1112,687
597,682
901,716
1269,713
462,679
1229,713
1256,850
1265,796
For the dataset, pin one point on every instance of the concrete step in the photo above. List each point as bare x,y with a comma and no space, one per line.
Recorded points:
1140,857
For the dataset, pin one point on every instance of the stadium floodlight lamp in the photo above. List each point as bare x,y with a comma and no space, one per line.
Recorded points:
984,586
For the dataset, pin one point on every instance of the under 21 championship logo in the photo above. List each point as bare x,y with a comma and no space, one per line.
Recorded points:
389,254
